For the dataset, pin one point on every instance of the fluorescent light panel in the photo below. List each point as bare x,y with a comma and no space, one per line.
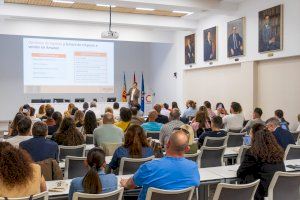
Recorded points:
62,1
182,12
146,9
105,5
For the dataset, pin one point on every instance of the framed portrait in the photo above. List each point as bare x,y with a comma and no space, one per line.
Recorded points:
210,44
270,29
236,38
189,44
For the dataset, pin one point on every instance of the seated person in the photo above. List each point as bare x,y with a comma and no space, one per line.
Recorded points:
68,134
108,132
89,123
152,125
135,146
135,118
191,110
24,131
261,161
234,121
125,118
57,116
95,181
257,113
165,110
19,176
191,135
33,116
283,137
12,129
172,172
283,123
216,125
38,147
78,118
200,123
160,118
49,121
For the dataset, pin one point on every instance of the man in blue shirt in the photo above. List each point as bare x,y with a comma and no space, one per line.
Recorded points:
172,172
152,125
38,147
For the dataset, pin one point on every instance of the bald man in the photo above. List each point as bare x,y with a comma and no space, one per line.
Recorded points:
152,125
172,172
108,132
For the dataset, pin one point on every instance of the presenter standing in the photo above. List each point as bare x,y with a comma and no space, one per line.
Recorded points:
134,95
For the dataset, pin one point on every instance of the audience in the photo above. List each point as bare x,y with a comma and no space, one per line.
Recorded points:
57,116
33,116
50,121
257,113
211,113
191,135
261,161
24,132
200,123
152,125
73,112
42,112
19,176
12,129
283,123
125,119
135,146
68,112
79,118
174,105
160,118
235,121
26,110
90,123
95,181
68,134
172,172
191,111
85,107
283,137
165,110
168,128
220,110
108,132
135,118
216,126
38,147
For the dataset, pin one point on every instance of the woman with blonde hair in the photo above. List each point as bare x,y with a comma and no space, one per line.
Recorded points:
42,111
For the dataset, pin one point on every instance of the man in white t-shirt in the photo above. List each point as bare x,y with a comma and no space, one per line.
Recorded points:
234,121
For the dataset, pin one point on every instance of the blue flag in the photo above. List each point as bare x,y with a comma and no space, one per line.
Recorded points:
143,94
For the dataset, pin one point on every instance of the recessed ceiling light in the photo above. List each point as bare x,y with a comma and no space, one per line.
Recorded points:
146,9
105,5
182,12
62,1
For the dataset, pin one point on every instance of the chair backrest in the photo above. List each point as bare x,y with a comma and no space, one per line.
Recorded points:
115,195
40,196
158,194
235,139
226,191
89,139
75,167
292,152
284,185
241,154
211,156
77,151
193,157
153,134
296,135
234,130
131,165
215,141
110,148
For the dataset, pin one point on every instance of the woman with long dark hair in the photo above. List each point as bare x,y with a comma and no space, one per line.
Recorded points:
12,130
135,146
200,123
18,174
89,123
57,116
68,134
95,181
262,160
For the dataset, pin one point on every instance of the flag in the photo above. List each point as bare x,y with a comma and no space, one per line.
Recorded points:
134,80
124,91
143,94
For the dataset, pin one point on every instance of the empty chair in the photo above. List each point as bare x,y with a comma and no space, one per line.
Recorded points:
71,151
241,154
215,141
235,139
131,165
40,196
153,134
75,167
292,152
284,185
226,191
115,195
194,157
211,156
109,148
89,139
296,135
158,194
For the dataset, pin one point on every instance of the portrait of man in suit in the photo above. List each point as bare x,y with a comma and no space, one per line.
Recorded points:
190,49
270,29
134,95
210,39
235,36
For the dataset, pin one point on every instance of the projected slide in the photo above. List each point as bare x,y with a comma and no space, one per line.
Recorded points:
67,66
